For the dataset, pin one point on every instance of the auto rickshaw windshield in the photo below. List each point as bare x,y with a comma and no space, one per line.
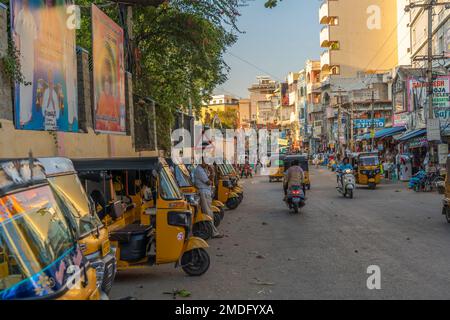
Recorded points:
169,188
369,161
73,198
34,236
182,177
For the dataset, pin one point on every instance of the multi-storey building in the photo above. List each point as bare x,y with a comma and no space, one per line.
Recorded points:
221,108
302,108
418,24
262,106
314,106
358,35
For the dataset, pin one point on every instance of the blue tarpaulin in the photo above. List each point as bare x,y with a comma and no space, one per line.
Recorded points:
388,132
412,134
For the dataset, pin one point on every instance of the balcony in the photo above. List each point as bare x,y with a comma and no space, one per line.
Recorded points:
325,61
315,108
313,87
324,13
325,37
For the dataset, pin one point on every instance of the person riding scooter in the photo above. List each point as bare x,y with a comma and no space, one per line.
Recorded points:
345,165
293,177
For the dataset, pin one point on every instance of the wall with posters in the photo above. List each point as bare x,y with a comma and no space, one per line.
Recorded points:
16,143
109,77
48,62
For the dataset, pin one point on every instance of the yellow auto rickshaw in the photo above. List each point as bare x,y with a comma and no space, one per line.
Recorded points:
40,257
92,235
304,164
367,169
225,185
147,216
277,169
229,172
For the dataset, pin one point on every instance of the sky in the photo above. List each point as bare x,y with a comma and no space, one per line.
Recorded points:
275,42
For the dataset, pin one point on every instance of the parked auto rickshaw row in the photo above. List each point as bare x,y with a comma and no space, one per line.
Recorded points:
97,217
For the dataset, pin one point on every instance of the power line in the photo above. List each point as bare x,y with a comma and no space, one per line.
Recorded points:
254,66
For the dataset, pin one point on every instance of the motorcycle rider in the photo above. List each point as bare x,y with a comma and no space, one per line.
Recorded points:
345,165
293,177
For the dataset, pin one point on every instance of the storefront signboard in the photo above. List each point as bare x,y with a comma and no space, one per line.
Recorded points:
367,123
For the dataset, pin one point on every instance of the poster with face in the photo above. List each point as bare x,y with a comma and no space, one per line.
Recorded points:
109,77
47,100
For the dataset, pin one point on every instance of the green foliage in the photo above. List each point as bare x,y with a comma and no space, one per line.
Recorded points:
177,50
10,64
271,3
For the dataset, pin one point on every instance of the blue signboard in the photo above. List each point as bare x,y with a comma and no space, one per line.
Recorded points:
367,123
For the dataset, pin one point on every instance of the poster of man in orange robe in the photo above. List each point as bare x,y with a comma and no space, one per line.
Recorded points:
109,97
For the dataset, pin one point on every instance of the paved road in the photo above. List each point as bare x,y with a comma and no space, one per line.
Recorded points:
323,253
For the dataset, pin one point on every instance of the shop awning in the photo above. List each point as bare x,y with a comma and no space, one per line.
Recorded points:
389,132
412,134
384,133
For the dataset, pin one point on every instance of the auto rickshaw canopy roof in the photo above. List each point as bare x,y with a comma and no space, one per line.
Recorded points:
117,164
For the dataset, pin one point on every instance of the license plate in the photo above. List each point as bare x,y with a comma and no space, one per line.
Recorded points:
106,248
296,200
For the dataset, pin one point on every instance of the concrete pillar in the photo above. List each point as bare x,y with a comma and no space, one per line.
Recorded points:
85,110
6,103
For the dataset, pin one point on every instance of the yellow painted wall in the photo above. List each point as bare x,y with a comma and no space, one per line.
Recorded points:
18,143
360,46
213,109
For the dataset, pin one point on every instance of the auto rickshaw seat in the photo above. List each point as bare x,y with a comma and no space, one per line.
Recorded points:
126,233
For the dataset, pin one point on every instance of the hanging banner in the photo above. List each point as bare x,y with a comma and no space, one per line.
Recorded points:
46,41
109,76
417,98
401,119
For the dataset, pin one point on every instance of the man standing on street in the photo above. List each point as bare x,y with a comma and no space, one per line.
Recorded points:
203,184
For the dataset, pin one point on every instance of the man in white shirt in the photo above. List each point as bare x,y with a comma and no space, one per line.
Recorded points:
204,184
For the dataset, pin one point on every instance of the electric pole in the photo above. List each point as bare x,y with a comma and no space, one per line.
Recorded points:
339,122
372,132
352,142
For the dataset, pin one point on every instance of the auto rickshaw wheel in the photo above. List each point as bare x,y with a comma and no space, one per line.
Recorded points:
195,262
217,219
222,213
372,186
203,230
447,214
232,203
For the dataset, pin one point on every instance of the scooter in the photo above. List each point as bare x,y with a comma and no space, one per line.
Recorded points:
346,184
295,198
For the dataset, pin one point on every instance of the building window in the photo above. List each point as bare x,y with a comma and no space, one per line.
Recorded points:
335,70
335,45
334,21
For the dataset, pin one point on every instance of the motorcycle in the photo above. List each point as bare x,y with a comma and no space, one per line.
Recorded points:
346,184
295,198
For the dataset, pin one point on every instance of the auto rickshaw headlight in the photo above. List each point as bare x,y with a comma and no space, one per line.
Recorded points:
227,184
178,219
